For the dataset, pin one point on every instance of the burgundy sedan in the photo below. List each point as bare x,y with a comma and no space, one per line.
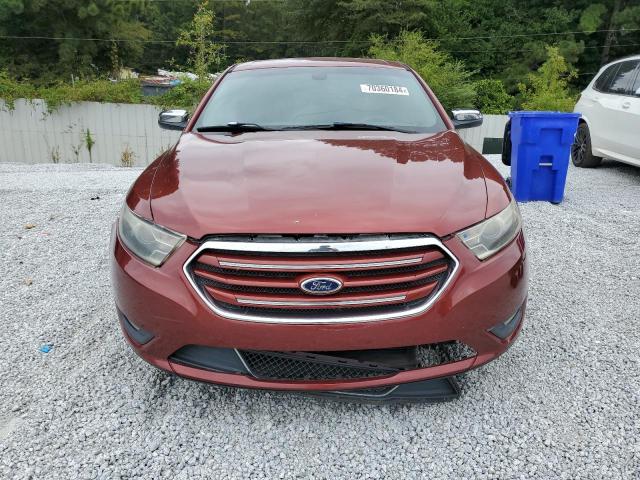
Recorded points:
321,227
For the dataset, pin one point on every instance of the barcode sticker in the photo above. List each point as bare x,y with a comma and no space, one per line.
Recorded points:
384,89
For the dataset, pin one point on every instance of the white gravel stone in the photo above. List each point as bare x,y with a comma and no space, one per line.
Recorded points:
564,402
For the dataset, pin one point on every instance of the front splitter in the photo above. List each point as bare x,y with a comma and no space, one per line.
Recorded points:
425,391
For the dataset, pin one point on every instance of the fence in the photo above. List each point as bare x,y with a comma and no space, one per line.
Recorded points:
115,133
492,129
82,132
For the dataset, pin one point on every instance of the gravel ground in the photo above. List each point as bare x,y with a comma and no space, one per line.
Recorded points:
562,403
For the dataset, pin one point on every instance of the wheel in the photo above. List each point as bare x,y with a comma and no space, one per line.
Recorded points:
581,153
506,144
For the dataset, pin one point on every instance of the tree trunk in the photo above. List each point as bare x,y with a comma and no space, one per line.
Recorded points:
611,35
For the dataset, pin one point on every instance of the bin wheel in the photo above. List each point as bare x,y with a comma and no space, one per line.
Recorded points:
581,153
506,145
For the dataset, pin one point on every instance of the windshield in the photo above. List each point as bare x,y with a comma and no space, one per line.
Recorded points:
304,97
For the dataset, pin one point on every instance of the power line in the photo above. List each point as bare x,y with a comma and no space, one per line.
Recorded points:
84,39
517,35
302,43
198,1
492,50
295,42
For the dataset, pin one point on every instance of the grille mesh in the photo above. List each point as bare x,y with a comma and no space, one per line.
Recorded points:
268,365
301,366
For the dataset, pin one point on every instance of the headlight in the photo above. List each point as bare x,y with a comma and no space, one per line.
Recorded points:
486,238
152,243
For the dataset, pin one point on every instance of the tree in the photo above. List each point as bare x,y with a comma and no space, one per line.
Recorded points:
503,40
448,78
165,20
205,53
254,30
614,16
548,88
492,98
68,24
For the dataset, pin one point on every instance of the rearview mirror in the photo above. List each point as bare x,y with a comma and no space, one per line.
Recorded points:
466,118
173,119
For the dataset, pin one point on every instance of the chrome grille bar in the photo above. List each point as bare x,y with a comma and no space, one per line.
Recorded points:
319,246
336,266
322,303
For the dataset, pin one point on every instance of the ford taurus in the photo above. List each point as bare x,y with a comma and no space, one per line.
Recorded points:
320,226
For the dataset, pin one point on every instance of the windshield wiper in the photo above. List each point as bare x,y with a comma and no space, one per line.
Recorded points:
254,127
347,126
233,127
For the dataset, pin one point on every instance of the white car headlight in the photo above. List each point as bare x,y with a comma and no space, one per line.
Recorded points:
151,242
489,236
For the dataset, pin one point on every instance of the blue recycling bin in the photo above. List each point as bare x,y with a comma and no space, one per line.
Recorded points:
541,146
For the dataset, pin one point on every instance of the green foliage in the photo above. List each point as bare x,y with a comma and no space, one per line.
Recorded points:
591,18
89,142
11,90
205,54
629,18
126,91
66,22
354,21
504,40
492,97
548,88
447,77
186,95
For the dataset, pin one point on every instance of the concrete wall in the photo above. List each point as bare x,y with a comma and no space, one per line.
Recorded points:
492,127
28,134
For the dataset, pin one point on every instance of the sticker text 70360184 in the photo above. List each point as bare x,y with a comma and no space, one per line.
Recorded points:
384,89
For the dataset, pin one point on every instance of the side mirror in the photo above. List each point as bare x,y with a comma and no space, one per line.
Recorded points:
173,119
466,118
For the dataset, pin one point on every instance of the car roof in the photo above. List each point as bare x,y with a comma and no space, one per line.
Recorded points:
623,59
318,62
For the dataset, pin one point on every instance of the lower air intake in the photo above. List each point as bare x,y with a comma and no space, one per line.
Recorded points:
270,365
309,366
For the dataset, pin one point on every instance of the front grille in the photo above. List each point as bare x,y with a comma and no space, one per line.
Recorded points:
259,279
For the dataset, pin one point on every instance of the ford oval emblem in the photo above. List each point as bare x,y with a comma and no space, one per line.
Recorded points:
321,285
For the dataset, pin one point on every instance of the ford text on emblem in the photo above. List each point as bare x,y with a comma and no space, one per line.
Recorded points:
321,285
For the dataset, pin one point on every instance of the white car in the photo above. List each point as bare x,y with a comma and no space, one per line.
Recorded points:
610,123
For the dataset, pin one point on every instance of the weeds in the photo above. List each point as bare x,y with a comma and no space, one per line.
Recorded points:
76,152
128,157
54,153
89,142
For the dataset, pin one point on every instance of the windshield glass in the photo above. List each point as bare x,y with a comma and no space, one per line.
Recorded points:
299,97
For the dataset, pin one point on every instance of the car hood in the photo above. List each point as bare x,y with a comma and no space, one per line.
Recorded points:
318,182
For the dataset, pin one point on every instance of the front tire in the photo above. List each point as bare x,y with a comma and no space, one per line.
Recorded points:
581,153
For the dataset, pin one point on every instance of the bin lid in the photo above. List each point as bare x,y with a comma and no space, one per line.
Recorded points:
528,113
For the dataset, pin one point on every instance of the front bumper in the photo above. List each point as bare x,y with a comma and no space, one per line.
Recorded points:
161,301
